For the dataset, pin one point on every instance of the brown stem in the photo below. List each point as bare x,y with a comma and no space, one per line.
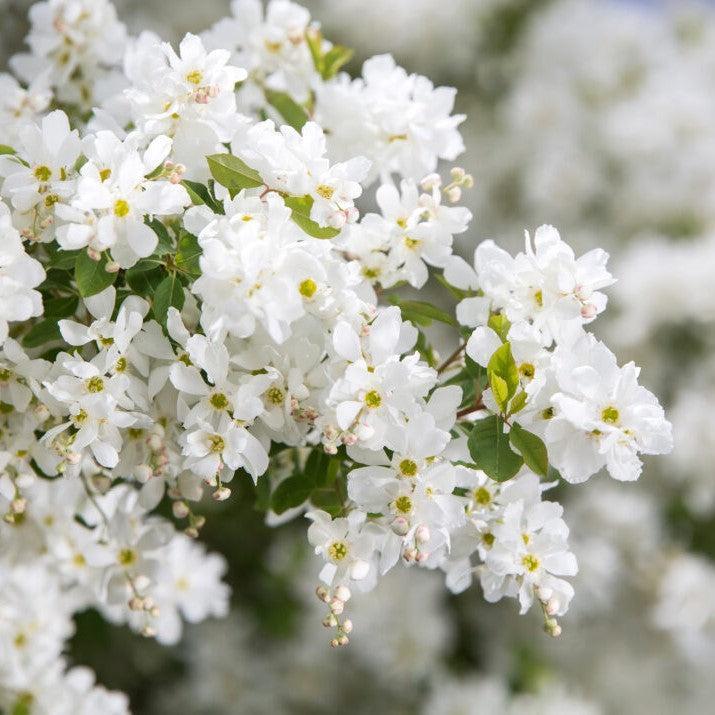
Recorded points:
451,358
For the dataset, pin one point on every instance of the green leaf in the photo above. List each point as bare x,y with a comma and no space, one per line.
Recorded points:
518,403
290,493
327,500
503,375
489,448
166,243
233,173
91,276
289,109
187,258
63,260
300,207
500,325
425,350
61,307
458,293
145,277
421,313
263,493
200,194
334,59
45,331
5,149
168,293
532,449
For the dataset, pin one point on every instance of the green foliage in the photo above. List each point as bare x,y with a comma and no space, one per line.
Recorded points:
503,376
489,448
5,149
188,254
532,449
233,173
91,276
290,493
168,293
500,325
42,332
165,243
300,207
288,108
421,313
327,63
58,308
200,194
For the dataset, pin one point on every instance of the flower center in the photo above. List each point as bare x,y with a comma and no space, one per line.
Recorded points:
527,370
121,208
94,384
218,401
104,174
275,395
43,173
403,504
408,468
216,443
194,77
307,288
325,191
610,415
373,399
127,557
482,496
530,562
338,550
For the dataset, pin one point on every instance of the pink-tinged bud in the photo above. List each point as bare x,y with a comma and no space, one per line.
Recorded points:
330,449
454,194
352,214
400,526
343,593
155,443
421,557
349,439
322,593
94,255
409,555
180,509
143,473
422,534
337,219
552,607
337,606
112,267
431,181
589,311
221,494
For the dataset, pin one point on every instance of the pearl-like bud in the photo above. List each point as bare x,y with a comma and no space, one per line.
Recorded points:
343,593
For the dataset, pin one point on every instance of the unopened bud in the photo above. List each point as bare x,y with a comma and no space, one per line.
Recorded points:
136,603
454,194
180,509
552,607
93,254
337,606
112,267
422,534
334,643
347,626
457,173
343,640
148,632
322,593
431,181
409,555
192,532
149,603
421,557
400,526
143,473
330,621
18,505
221,494
343,593
589,311
359,570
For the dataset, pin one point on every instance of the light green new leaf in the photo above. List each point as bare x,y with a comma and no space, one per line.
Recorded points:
503,375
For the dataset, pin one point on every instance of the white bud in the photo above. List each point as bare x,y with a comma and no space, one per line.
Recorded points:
337,606
454,194
112,267
457,173
589,311
421,557
221,494
143,473
422,534
400,526
322,593
180,509
431,181
347,626
343,593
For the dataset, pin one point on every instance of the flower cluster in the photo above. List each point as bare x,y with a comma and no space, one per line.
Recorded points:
190,296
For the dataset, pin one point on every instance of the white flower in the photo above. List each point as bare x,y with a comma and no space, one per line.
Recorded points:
399,121
20,106
50,151
113,196
19,276
603,417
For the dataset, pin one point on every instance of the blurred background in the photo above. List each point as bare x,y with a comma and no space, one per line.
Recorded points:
597,116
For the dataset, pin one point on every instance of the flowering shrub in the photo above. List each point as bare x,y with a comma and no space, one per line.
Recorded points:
190,295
